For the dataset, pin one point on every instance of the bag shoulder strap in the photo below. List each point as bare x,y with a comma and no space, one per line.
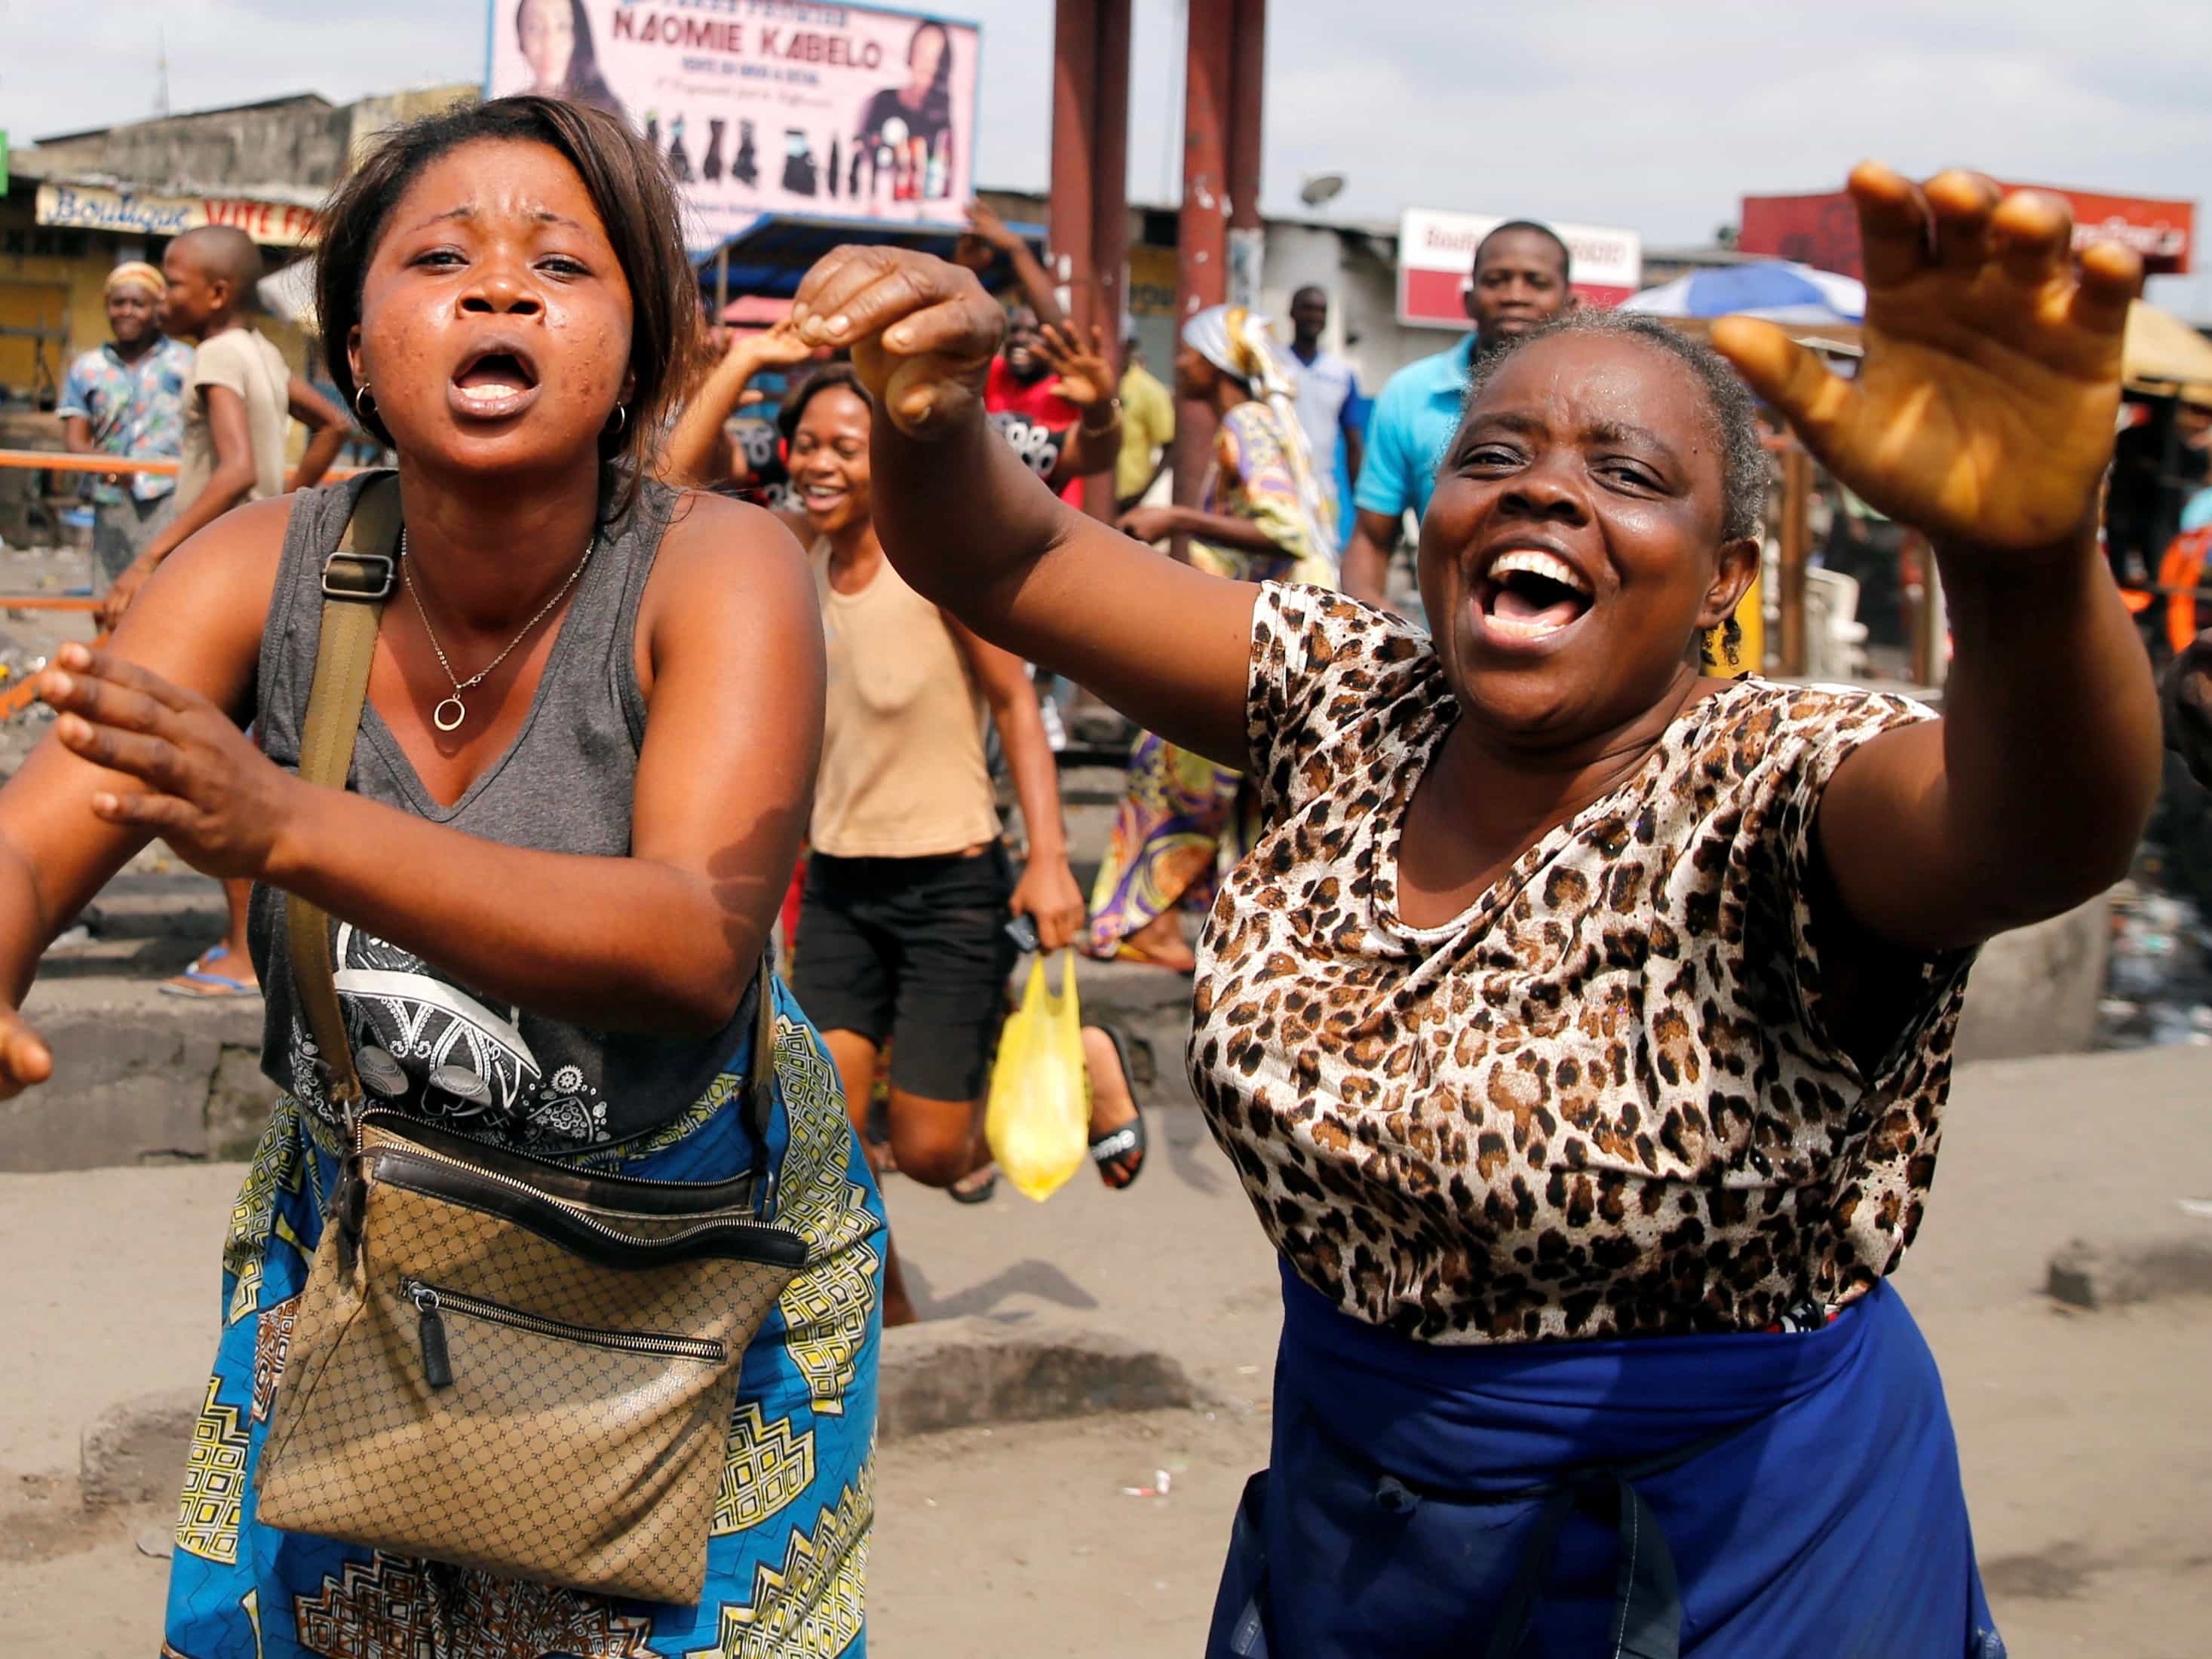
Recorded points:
357,578
760,1083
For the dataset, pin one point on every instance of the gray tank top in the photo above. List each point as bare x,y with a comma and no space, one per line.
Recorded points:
424,1041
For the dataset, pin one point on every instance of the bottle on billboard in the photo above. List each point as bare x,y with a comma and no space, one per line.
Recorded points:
746,168
802,173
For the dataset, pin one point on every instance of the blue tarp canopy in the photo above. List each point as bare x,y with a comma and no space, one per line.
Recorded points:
770,256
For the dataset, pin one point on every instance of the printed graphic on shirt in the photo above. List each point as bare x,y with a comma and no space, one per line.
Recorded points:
424,1042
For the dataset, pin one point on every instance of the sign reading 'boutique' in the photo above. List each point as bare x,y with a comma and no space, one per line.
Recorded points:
134,212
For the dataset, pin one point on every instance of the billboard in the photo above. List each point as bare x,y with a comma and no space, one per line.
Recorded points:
765,106
1823,230
1435,251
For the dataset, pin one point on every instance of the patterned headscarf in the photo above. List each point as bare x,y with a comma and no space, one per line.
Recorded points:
137,273
1238,343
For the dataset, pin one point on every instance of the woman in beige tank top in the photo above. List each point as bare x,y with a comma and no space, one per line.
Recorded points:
903,926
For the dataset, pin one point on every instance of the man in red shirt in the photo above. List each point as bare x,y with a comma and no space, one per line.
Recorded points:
1042,375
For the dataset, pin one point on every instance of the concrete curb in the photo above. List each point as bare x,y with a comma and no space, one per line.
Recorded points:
2092,1275
959,1373
952,1375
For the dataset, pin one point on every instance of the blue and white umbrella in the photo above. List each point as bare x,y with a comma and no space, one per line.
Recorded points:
1776,289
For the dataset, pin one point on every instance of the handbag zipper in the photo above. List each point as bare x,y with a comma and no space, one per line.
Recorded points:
578,1215
433,1304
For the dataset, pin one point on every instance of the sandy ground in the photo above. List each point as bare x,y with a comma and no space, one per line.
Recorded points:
2087,1464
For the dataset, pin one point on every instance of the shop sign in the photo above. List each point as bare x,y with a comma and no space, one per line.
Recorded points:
137,213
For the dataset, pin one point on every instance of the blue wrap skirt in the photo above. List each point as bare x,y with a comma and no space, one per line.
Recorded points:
1725,1497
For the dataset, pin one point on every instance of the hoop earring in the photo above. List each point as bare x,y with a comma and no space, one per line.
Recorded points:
361,397
618,423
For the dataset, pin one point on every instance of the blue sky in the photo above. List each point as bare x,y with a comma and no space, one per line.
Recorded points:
1657,116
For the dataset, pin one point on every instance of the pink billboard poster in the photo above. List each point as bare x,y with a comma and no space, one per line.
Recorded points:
765,106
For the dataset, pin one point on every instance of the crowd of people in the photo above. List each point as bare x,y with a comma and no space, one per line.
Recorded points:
1578,1021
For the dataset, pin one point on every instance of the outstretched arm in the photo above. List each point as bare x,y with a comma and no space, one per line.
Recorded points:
1983,414
969,527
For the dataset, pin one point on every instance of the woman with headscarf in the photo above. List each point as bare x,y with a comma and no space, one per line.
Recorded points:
1261,516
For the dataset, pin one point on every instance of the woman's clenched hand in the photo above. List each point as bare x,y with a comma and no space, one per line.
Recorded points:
922,333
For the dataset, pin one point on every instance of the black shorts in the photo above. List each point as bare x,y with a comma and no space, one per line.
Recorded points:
914,952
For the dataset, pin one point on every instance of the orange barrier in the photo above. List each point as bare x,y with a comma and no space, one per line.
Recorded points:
61,460
2179,575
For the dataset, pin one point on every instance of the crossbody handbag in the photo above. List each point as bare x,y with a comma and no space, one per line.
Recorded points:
501,1361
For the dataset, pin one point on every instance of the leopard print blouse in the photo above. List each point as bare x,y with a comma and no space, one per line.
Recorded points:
1600,1102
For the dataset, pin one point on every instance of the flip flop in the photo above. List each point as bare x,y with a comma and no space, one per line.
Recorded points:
980,1194
197,981
1110,1150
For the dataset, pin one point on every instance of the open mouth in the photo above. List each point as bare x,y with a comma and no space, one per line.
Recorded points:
495,380
822,498
1529,595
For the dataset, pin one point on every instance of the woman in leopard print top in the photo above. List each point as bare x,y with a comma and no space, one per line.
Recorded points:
1580,1025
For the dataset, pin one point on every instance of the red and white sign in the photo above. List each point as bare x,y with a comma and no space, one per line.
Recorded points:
1436,254
1823,231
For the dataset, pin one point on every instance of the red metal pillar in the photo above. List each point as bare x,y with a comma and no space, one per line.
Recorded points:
1202,234
1090,171
1247,103
1075,127
1110,179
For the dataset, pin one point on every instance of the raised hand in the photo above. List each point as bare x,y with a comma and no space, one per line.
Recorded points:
779,347
988,228
922,333
1983,412
1086,380
214,798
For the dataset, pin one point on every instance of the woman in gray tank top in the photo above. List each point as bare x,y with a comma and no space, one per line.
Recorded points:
581,780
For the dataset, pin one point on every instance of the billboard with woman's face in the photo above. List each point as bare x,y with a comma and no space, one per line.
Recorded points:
765,106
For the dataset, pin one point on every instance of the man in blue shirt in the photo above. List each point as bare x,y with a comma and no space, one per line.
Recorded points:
1329,396
126,398
1519,282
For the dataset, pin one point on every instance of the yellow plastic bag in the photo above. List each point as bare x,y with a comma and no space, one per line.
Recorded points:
1039,1117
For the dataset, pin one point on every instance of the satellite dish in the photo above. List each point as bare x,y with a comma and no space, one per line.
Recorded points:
1321,187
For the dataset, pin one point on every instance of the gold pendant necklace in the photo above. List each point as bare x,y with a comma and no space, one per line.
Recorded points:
460,710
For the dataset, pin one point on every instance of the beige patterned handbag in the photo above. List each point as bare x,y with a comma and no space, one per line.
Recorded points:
501,1362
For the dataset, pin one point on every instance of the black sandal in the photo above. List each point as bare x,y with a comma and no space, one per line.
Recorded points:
982,1194
1113,1150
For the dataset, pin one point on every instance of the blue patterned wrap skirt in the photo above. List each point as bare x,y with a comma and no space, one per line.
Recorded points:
786,1561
